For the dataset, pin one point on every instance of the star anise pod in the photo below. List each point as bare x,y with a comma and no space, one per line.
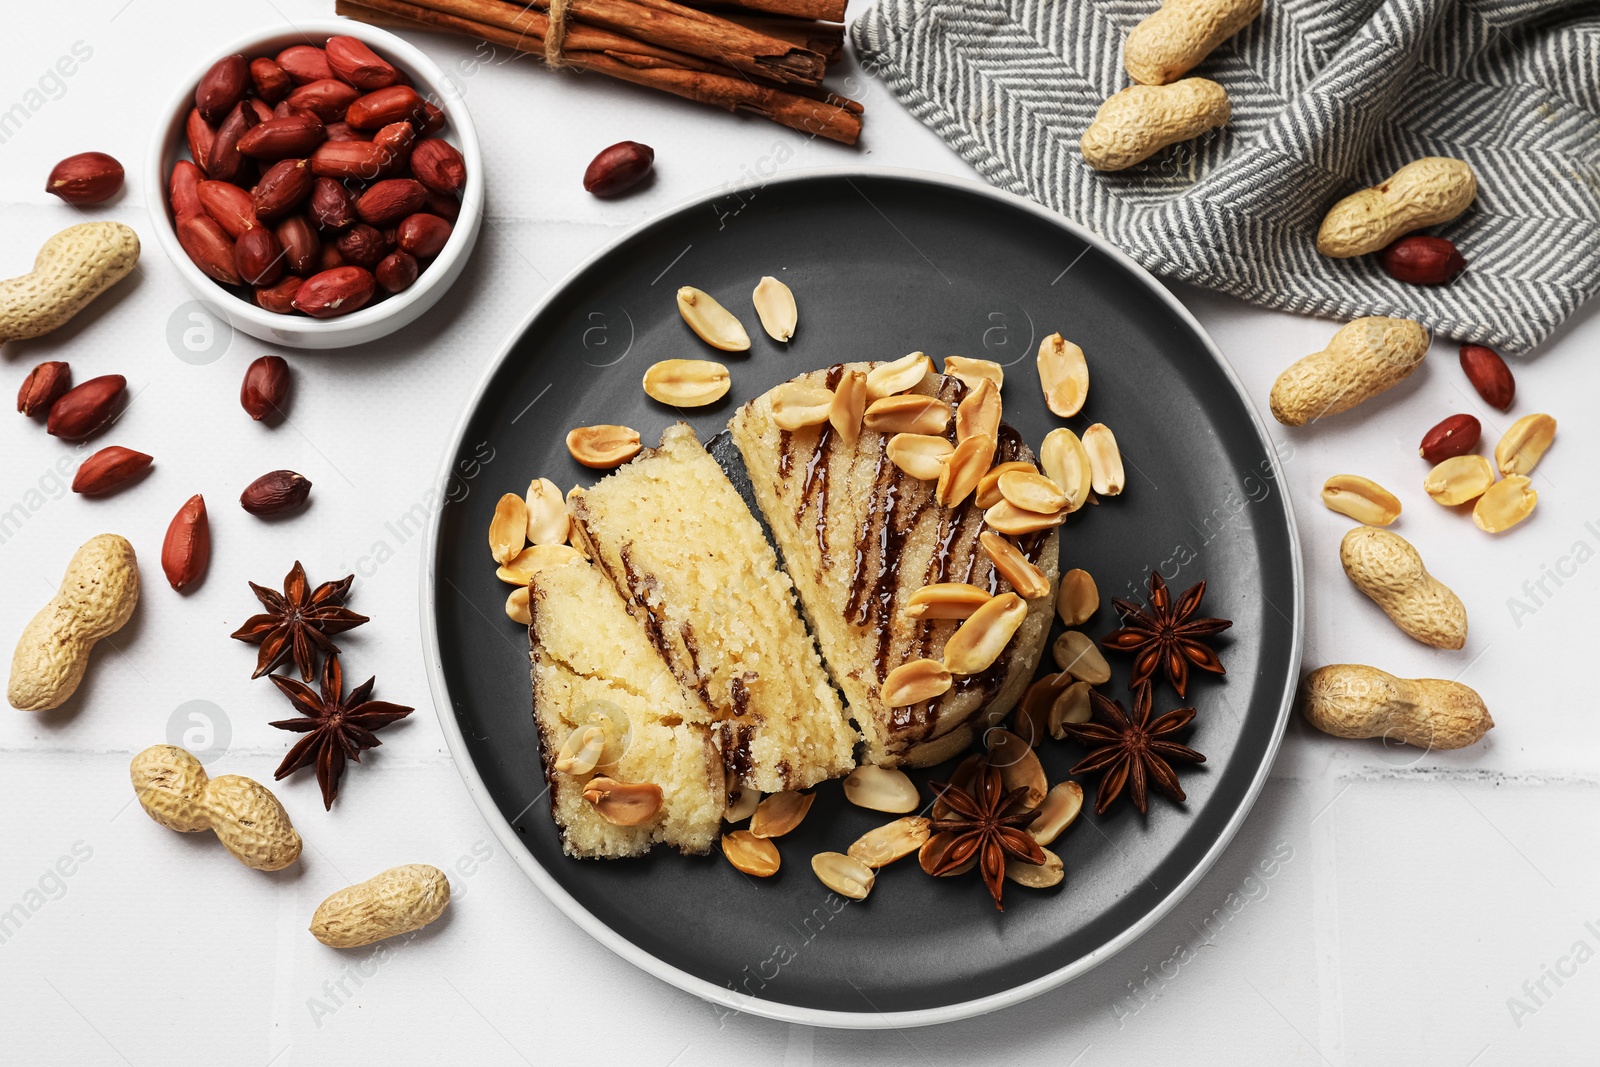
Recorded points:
336,727
1131,750
1165,635
297,623
986,824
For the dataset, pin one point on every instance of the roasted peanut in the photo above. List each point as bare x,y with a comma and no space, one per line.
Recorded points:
686,383
1105,460
979,412
1064,461
1020,573
970,372
1032,492
603,447
780,813
989,494
1077,655
848,405
1507,503
549,522
1037,875
896,376
906,413
1063,375
1459,480
978,642
775,307
914,682
1007,518
920,455
1019,766
881,789
1363,499
946,600
623,803
508,529
891,841
755,856
843,874
796,405
963,469
1078,597
713,323
1524,444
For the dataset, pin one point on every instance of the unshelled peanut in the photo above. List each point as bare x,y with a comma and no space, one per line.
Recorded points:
397,901
1385,567
97,596
1174,40
175,791
73,267
1351,700
1139,121
1422,193
1364,358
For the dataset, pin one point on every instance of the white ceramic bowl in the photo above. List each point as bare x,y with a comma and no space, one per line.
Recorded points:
376,320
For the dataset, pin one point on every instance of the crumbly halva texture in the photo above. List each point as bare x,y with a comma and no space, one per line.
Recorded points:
593,664
859,536
680,546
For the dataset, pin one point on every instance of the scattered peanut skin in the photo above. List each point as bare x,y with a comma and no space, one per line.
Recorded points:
397,901
98,594
1351,700
1383,565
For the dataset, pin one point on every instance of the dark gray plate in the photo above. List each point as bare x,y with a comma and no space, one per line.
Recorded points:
881,264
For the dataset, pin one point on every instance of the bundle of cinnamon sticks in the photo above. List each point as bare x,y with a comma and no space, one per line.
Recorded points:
765,56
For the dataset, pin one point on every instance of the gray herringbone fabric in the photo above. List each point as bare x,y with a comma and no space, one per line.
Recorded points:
1328,96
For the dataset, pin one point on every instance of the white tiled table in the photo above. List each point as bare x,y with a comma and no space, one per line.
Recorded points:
1379,906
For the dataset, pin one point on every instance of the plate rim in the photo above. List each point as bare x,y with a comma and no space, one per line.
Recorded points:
741,1003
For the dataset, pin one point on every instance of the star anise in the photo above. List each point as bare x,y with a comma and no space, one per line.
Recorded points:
336,727
1165,635
1132,750
298,624
985,824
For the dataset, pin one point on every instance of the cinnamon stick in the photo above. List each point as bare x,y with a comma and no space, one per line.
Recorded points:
666,24
522,20
823,10
630,60
824,38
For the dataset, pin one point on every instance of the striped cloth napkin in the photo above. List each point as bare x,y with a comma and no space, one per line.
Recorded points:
1328,96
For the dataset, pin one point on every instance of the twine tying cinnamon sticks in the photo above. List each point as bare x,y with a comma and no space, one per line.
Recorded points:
771,63
555,40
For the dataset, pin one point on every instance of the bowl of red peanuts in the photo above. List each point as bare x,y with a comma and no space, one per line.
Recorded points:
319,186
